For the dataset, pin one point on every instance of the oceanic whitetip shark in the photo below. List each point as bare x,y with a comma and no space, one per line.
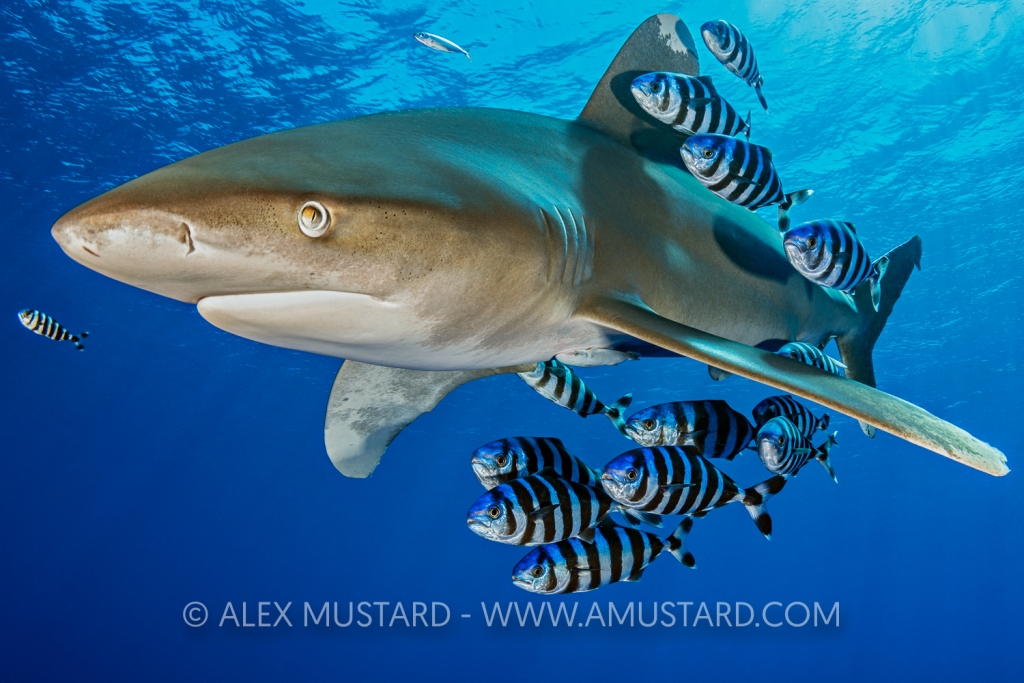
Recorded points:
431,247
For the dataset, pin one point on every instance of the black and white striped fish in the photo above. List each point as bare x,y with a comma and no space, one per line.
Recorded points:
811,355
740,172
612,554
40,323
501,461
713,428
796,412
542,508
731,48
784,450
557,382
827,252
673,480
690,104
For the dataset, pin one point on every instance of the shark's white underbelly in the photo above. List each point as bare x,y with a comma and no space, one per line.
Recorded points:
371,330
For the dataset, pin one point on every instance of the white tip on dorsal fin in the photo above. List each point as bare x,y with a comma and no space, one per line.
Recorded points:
662,43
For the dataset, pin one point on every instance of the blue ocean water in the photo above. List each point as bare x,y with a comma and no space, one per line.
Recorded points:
172,462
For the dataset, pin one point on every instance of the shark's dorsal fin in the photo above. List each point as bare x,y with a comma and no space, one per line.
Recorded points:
662,43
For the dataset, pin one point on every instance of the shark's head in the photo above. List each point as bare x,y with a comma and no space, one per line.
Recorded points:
350,239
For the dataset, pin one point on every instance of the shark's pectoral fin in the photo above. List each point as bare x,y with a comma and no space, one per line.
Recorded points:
857,400
370,405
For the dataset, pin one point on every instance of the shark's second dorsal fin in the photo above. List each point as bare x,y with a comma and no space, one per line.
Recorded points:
662,43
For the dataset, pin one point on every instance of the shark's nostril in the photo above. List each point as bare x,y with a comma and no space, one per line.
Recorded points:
185,237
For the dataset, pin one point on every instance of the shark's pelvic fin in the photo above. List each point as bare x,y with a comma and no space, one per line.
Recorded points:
849,397
662,43
370,405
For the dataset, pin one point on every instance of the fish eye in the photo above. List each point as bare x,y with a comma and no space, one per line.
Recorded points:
707,153
812,242
632,475
501,460
648,424
537,571
313,219
656,86
782,440
494,512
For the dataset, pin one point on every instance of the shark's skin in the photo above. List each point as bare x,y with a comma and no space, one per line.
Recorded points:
472,239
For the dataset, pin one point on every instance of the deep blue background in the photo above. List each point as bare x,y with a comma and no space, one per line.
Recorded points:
172,462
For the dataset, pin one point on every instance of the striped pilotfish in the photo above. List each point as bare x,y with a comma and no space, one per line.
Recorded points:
730,47
673,480
828,253
784,450
557,382
542,508
740,172
713,428
40,323
812,355
613,553
690,104
788,407
501,461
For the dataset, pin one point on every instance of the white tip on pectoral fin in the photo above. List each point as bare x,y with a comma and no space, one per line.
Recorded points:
370,405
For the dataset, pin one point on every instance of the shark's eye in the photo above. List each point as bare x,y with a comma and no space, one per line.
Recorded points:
314,219
537,571
648,424
501,460
707,153
632,475
494,512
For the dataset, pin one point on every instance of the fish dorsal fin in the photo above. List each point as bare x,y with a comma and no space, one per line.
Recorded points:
852,227
706,80
662,43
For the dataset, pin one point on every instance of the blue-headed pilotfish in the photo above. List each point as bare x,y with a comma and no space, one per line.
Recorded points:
828,253
557,382
503,460
811,355
784,450
740,172
542,508
730,47
674,480
611,554
40,323
690,104
711,427
788,407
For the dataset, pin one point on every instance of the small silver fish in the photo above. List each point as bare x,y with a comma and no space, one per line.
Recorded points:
588,358
438,43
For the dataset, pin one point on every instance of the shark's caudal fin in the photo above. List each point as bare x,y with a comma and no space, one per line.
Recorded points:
662,43
849,397
371,404
855,347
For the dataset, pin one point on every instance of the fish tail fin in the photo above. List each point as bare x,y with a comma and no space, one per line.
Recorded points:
677,543
468,57
756,498
855,347
878,269
747,131
84,335
760,97
615,410
823,421
822,456
791,200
